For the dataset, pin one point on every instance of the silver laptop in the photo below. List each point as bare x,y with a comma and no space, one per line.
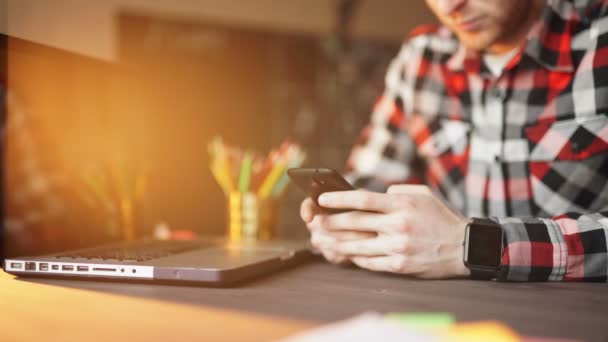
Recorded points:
209,261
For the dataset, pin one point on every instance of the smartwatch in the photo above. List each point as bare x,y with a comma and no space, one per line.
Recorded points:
483,248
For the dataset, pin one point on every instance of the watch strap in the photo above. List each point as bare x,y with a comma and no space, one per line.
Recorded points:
483,275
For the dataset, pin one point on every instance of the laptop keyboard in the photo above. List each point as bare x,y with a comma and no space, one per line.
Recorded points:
136,251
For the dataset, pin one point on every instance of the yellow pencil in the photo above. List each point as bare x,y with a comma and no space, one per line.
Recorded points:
219,178
271,180
224,170
221,164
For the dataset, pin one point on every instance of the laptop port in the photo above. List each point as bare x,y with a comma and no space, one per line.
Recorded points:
67,268
82,268
104,269
55,267
16,265
43,266
30,266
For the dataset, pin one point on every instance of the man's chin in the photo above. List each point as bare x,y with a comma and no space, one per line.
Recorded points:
474,41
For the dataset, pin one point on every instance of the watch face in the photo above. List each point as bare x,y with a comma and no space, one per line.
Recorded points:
484,246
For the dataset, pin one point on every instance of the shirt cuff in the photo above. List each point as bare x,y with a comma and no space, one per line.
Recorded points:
534,250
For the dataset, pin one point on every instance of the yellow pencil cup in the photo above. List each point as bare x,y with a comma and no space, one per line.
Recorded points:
251,217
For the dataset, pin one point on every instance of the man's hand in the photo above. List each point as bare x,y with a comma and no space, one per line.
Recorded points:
409,231
323,240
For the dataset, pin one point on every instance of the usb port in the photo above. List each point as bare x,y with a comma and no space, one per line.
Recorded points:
55,267
82,268
43,266
16,265
30,266
67,268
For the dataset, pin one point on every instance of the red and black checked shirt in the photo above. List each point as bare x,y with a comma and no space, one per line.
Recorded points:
528,148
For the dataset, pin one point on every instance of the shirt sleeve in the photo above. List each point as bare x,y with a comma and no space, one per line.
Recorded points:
569,247
384,152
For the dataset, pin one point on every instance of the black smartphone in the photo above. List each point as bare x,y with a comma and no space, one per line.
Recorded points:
314,182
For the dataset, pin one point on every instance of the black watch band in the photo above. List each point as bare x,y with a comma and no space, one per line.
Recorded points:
483,248
483,275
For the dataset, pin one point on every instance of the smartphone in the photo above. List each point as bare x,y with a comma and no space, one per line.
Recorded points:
314,182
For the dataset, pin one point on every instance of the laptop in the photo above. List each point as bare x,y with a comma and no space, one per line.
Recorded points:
210,261
207,261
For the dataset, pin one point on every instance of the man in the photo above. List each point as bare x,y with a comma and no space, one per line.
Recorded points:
501,112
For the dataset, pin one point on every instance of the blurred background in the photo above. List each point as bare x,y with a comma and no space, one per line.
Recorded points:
125,95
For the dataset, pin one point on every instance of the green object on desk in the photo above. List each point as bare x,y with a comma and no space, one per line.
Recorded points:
245,173
439,320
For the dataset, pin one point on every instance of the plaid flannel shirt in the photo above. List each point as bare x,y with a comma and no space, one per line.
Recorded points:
528,148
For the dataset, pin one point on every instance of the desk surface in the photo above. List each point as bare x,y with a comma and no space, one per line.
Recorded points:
318,292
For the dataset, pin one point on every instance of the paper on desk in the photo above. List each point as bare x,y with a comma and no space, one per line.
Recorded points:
366,327
424,320
408,327
481,332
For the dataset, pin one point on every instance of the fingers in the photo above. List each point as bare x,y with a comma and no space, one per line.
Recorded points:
413,189
323,239
334,257
345,235
354,221
325,243
358,200
308,209
323,222
317,224
364,222
382,245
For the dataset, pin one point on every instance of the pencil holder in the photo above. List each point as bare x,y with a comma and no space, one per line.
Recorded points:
251,217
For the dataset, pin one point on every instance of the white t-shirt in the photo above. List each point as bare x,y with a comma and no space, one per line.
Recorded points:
497,63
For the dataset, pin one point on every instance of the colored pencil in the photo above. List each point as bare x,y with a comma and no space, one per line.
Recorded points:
246,172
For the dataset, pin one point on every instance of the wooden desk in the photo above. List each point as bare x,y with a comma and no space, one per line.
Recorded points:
32,311
314,293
